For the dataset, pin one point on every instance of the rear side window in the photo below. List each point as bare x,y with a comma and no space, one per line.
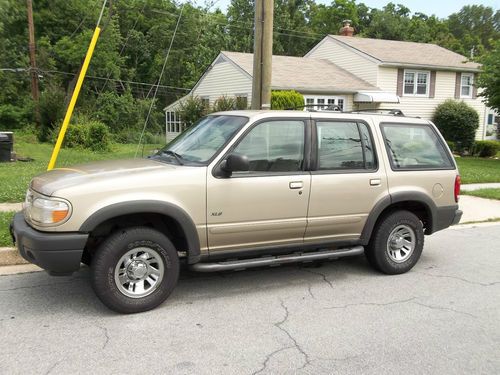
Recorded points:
411,146
344,145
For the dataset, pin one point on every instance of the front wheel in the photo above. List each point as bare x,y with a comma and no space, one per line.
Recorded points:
134,270
396,243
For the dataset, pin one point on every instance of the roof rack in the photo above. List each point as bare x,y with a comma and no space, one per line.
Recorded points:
322,107
393,111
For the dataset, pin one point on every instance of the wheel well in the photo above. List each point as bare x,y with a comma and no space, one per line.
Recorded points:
417,208
164,224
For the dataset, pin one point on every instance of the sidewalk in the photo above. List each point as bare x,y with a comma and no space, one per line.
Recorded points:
470,187
4,207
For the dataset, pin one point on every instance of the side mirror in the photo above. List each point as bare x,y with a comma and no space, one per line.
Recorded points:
235,163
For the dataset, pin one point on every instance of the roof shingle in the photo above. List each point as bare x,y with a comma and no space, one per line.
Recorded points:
305,74
408,53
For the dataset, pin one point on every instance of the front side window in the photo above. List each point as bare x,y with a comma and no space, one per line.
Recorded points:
415,147
199,143
344,145
416,83
466,85
274,146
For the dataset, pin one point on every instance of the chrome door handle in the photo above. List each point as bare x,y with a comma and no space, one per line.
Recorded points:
296,185
375,182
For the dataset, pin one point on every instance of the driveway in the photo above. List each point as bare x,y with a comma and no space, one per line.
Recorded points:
341,317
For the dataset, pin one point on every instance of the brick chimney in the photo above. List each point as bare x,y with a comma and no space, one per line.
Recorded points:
347,30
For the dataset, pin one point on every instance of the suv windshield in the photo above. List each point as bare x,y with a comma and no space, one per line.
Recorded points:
200,142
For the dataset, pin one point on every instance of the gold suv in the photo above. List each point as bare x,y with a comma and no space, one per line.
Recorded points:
244,189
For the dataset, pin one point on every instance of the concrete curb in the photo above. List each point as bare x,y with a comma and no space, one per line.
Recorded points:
9,256
7,207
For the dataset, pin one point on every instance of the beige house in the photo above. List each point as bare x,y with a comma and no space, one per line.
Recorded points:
353,73
421,75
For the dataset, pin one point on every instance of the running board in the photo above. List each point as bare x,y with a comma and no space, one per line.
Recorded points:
276,260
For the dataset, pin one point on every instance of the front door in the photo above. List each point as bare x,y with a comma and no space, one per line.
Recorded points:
267,205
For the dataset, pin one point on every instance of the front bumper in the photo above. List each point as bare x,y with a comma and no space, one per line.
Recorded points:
58,253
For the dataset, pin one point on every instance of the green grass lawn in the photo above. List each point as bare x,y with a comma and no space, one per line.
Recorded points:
477,170
5,239
484,193
15,177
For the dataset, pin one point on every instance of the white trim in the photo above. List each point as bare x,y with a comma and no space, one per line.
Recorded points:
471,86
427,67
415,82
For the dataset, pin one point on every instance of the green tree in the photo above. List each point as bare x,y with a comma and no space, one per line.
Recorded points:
489,78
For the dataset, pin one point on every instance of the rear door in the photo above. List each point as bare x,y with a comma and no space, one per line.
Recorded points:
266,206
347,180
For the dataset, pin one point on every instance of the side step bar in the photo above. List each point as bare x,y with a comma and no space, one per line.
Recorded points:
276,260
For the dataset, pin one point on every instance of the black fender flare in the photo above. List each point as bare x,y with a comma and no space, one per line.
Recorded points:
149,206
387,201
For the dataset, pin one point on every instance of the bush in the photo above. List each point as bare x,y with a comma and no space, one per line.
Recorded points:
224,103
458,123
52,110
85,133
191,110
98,138
451,145
486,149
286,99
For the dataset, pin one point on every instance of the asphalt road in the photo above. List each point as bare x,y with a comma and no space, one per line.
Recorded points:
441,318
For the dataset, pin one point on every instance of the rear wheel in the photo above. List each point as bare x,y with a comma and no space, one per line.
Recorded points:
134,270
396,243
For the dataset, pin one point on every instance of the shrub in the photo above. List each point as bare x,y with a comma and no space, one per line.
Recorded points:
458,123
98,138
451,145
486,149
52,110
286,99
224,103
191,110
85,133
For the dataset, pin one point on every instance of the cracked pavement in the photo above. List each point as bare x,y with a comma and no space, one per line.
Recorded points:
334,317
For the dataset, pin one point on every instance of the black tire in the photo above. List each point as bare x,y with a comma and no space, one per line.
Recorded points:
110,253
377,252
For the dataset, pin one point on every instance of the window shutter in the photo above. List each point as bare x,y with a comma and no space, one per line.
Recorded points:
458,82
399,90
432,87
474,86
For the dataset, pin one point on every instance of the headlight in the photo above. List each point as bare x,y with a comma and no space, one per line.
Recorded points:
45,210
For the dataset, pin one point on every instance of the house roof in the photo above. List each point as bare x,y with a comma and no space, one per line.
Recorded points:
304,74
407,53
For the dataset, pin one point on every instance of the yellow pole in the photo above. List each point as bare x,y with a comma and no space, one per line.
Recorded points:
74,97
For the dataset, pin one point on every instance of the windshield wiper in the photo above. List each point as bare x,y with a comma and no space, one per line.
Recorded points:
174,154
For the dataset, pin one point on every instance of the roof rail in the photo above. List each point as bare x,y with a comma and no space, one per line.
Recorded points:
393,111
322,107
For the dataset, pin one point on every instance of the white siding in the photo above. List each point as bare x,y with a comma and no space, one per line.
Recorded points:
347,59
425,107
224,79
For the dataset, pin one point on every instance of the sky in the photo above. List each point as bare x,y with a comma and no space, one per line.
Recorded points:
441,8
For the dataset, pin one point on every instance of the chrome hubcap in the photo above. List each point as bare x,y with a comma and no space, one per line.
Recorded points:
139,272
401,243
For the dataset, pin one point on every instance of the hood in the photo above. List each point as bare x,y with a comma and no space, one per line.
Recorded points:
49,182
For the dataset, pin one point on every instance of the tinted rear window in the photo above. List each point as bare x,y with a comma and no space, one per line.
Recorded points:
411,146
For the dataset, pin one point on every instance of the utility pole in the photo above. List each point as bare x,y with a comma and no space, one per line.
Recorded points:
33,70
262,55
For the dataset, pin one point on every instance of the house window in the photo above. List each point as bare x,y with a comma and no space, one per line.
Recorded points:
241,102
466,85
416,83
205,100
174,124
490,119
319,103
